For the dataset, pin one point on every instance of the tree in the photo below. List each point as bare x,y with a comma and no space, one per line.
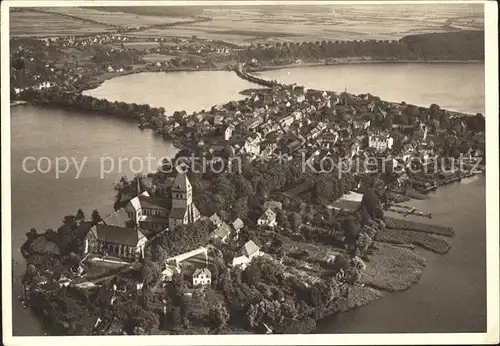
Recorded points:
31,234
70,221
96,217
150,273
295,220
219,316
341,262
351,229
370,202
80,216
363,242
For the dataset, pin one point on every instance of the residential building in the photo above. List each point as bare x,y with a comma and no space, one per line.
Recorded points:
169,272
268,150
380,142
293,146
252,144
202,277
237,226
362,124
228,133
250,249
285,121
222,232
268,219
328,140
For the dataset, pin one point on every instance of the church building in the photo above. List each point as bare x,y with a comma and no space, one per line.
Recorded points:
156,214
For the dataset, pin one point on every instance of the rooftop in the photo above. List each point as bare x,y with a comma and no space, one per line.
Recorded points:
118,235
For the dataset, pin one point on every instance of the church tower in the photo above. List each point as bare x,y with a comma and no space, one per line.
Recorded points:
183,210
182,192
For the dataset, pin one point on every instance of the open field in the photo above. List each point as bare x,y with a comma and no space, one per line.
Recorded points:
154,57
257,24
246,25
49,24
119,19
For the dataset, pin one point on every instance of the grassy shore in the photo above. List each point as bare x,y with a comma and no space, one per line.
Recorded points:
427,241
358,297
393,269
394,223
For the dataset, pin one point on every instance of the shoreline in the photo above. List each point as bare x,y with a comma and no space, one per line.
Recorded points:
359,62
100,79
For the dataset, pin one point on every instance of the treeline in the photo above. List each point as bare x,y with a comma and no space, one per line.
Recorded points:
462,45
142,113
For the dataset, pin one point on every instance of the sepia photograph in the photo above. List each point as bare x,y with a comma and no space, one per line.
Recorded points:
235,172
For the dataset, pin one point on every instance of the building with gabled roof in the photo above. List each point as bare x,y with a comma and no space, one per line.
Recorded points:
123,242
250,249
222,232
202,277
268,219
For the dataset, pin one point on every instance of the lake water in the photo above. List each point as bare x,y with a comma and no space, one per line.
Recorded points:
189,91
457,86
449,297
42,200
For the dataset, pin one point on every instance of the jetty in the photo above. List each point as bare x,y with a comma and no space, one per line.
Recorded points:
406,210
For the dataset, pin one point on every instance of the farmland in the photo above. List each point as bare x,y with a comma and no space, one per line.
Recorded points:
118,19
245,25
291,24
23,24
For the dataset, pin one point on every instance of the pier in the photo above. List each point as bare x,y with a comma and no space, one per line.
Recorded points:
406,210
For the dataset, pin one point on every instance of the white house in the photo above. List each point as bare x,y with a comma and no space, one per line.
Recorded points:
250,249
247,253
169,271
228,133
380,142
268,219
202,277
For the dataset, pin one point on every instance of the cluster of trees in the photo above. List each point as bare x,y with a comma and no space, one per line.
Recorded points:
186,237
462,45
59,251
143,113
330,187
64,311
263,294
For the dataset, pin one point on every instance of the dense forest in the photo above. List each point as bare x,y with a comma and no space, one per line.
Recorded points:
462,45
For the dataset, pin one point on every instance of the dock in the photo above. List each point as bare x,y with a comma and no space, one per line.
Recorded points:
406,210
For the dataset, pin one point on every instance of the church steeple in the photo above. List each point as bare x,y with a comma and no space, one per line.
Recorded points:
182,191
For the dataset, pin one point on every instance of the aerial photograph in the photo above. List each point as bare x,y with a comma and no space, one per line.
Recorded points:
247,169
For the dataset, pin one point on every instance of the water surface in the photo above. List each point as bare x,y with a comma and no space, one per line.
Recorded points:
453,86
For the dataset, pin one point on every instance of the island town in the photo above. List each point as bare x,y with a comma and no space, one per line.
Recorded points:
300,229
